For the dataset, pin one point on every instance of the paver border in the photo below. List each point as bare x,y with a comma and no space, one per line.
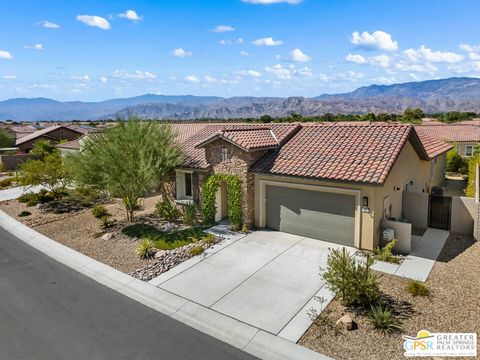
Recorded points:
240,335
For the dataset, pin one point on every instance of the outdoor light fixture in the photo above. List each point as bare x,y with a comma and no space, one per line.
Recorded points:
365,201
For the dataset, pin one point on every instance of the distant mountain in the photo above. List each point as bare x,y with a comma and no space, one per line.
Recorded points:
460,94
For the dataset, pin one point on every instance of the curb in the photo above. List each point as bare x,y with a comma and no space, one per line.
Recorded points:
240,335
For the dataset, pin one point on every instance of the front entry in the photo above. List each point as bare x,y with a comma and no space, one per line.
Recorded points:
221,202
440,212
315,214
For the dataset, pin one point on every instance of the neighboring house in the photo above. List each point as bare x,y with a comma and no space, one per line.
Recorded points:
333,181
20,131
464,137
54,134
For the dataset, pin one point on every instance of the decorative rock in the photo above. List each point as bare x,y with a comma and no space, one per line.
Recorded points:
108,236
160,254
345,322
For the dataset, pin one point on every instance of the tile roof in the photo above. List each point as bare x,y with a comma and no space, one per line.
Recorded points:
451,133
360,153
433,146
72,145
44,132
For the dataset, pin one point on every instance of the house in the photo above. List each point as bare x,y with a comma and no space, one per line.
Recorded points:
334,181
464,137
54,134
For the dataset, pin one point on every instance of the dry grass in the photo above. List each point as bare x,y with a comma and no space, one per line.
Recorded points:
452,306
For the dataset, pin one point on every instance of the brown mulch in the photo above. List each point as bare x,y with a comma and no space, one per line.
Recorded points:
453,306
81,231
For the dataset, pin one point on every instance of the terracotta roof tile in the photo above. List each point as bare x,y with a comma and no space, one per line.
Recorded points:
45,132
451,133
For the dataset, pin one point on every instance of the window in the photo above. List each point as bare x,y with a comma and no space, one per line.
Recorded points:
188,185
469,150
224,155
184,185
408,186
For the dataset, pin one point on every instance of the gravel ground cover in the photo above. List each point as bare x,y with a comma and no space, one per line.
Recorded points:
453,306
81,231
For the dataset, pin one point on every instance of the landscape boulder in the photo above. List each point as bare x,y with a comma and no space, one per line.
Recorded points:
345,322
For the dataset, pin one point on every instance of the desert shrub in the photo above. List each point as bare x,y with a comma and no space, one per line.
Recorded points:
417,288
386,254
6,182
99,211
166,210
25,213
105,221
196,250
383,320
245,229
351,279
456,163
190,214
146,249
210,239
32,199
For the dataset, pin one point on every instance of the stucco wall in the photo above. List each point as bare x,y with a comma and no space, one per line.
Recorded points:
461,146
403,234
463,213
53,136
12,162
415,209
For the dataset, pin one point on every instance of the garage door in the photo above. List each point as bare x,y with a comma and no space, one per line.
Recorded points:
316,214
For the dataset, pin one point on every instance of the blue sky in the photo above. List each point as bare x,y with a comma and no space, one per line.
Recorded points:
94,50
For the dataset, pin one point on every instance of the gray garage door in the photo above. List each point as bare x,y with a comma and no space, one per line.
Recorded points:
320,215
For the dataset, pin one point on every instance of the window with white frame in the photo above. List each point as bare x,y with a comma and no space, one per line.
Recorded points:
184,185
468,150
224,155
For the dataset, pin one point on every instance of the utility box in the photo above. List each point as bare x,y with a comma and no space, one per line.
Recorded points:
388,235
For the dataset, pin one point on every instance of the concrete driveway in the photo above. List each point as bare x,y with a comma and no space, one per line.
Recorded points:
266,279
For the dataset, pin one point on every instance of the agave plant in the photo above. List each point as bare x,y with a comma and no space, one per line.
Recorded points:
146,249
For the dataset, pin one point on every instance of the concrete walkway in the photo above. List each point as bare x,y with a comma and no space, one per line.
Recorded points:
252,340
13,193
419,263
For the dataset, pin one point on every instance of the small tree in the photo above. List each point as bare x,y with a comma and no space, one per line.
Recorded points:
42,148
6,140
412,115
49,171
456,163
128,160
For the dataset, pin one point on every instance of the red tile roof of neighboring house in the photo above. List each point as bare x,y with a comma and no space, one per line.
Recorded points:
451,133
46,131
71,145
433,146
360,153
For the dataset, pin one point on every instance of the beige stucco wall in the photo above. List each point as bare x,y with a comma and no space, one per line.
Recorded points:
408,167
461,146
463,212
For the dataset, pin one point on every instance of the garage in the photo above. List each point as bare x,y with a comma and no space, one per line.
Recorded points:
320,215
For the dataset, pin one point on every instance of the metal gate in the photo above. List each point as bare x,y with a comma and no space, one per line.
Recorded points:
440,211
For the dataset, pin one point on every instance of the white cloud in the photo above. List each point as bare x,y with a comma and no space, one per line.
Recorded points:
5,55
139,75
268,2
50,25
466,68
245,53
9,77
248,73
34,47
210,79
192,78
355,58
181,53
230,42
104,80
267,42
95,21
474,56
426,54
298,56
279,71
81,77
382,61
130,15
426,68
376,40
306,71
472,50
223,28
239,41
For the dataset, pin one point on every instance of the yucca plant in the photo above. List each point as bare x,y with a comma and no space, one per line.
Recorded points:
196,250
417,288
383,320
146,249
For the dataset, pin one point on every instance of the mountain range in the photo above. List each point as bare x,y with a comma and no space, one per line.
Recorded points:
452,94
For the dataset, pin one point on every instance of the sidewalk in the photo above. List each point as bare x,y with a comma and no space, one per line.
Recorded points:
238,334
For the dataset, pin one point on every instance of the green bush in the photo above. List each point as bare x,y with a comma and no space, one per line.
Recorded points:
146,249
196,250
25,213
99,211
351,279
166,210
190,214
105,221
32,199
6,182
383,320
456,163
385,253
417,288
210,239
